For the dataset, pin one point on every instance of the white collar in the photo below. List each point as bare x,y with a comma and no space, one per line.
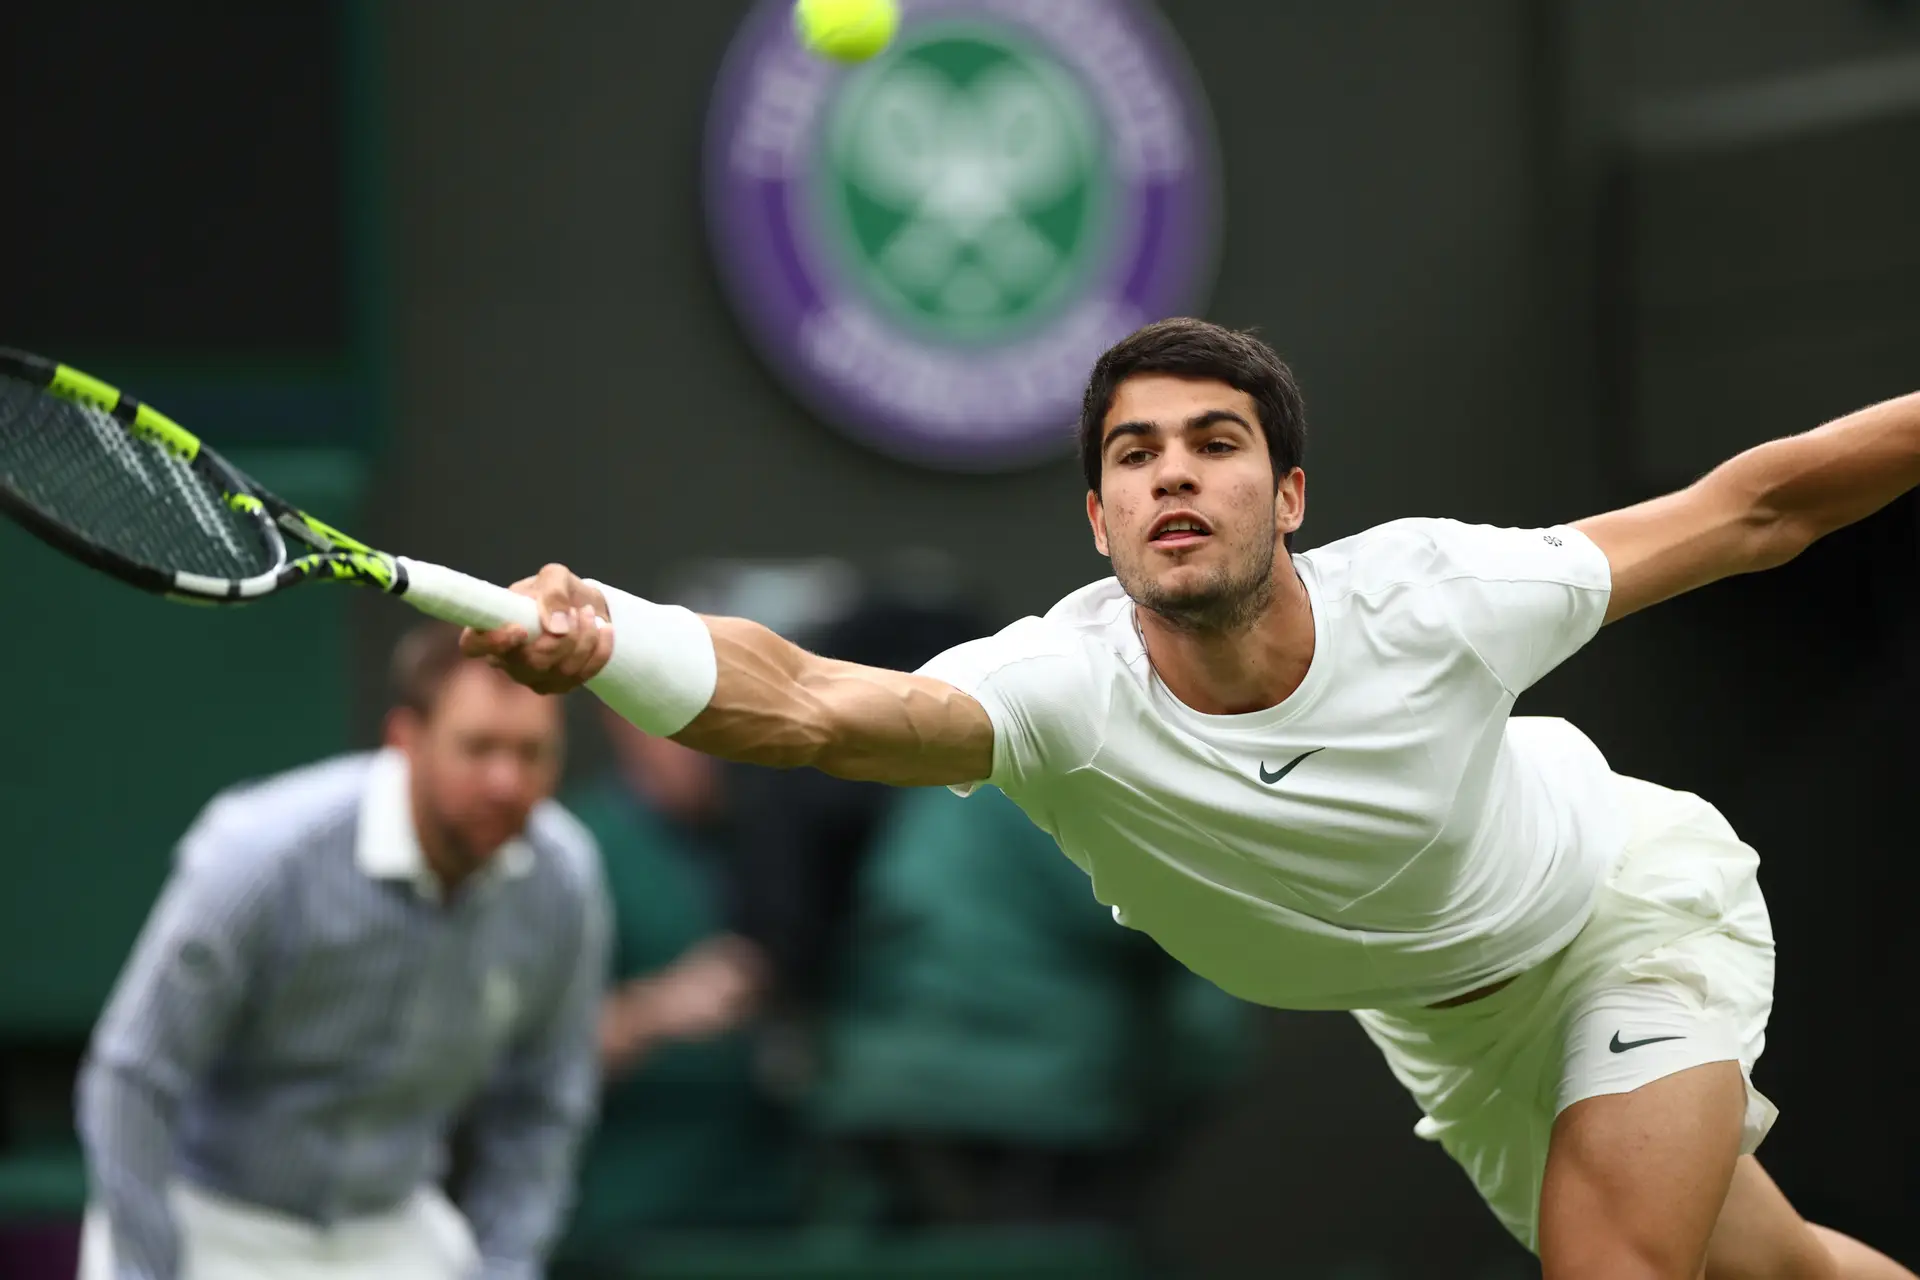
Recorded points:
388,847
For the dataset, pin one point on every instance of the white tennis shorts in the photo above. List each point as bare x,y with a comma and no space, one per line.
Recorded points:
1674,970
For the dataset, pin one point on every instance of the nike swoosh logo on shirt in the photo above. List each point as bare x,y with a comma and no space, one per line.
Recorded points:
1621,1046
1285,769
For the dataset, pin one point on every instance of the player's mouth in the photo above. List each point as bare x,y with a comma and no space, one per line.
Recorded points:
1178,529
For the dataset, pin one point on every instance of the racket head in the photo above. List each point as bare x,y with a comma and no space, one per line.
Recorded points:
121,487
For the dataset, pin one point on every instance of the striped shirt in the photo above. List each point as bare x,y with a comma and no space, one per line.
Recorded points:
303,1020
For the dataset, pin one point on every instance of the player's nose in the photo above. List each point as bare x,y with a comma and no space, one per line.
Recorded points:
1175,474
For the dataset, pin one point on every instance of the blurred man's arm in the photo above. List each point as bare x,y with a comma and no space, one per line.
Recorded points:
1761,508
528,1126
168,1017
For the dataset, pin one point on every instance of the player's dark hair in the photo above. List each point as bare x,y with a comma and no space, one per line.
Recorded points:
1187,348
424,659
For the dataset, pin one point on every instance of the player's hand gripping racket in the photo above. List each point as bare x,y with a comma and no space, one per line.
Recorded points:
121,487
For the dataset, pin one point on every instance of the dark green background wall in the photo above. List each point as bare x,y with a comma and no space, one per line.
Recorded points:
1479,231
1422,214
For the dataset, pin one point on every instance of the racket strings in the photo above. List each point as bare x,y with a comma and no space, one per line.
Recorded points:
81,468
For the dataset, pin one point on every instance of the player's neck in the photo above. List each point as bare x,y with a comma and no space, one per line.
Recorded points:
1218,672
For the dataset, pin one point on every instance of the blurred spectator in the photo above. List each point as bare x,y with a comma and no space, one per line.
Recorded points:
687,1137
344,958
999,1050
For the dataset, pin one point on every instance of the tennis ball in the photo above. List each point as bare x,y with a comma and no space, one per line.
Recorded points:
846,30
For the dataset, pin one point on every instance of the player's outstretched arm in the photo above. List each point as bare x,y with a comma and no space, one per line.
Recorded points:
1760,508
734,689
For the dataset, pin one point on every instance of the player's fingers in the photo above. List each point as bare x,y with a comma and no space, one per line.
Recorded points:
556,588
548,654
583,657
492,644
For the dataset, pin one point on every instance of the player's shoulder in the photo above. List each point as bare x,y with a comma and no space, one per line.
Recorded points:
1093,623
1088,629
1421,550
1398,549
1097,612
257,828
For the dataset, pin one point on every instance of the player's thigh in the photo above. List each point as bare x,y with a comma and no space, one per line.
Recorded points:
1634,1182
1760,1236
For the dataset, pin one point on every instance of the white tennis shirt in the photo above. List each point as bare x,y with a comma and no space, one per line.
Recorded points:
1388,835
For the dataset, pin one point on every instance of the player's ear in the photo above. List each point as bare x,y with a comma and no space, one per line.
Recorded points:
1097,517
1290,501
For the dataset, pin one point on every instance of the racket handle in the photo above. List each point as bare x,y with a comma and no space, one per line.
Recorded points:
453,596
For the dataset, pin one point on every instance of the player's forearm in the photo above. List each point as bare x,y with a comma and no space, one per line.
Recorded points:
776,704
725,686
764,709
734,689
1806,486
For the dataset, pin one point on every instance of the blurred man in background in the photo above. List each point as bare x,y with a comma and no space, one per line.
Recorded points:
999,1053
687,1138
346,958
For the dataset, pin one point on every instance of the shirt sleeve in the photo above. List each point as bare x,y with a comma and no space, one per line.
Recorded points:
529,1124
168,1017
1526,600
1041,690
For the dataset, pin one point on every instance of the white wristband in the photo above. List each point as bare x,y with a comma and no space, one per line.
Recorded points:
663,670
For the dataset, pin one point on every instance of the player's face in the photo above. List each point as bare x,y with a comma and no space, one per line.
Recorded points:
1187,510
488,751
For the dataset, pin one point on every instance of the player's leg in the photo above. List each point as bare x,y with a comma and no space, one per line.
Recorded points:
1760,1236
1635,1182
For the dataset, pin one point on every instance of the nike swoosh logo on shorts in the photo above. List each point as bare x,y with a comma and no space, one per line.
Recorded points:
1285,769
1621,1046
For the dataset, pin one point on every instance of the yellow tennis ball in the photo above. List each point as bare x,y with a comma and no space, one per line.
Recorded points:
846,30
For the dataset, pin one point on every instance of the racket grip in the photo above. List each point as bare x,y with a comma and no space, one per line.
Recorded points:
453,596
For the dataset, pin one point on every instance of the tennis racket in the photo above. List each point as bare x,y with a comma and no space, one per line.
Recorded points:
119,486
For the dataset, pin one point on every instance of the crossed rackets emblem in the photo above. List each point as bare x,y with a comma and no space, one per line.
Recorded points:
965,167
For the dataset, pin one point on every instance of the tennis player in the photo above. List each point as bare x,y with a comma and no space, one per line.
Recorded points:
347,960
1300,775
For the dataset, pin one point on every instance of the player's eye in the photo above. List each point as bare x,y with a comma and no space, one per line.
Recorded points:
1132,457
1217,446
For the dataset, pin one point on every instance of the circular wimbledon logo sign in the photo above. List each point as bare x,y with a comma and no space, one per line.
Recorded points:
932,247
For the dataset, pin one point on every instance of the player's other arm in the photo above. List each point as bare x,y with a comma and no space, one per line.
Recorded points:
770,702
1760,508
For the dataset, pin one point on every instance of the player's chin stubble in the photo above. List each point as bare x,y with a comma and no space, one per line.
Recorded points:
1231,597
